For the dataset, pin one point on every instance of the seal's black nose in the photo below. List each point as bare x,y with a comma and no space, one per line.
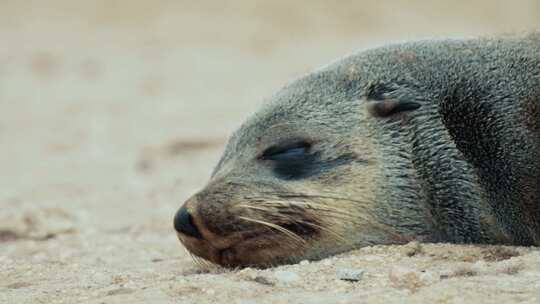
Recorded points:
183,223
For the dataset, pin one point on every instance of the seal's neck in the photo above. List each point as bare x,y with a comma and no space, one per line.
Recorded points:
452,189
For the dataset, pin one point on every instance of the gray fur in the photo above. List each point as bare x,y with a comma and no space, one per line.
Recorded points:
463,167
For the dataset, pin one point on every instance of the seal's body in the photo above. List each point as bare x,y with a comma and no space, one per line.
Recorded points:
431,140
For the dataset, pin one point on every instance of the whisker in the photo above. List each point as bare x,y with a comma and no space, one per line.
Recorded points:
304,195
353,218
254,207
200,262
328,230
311,206
285,231
297,221
357,217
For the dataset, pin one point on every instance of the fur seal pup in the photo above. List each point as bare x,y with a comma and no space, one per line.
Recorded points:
437,141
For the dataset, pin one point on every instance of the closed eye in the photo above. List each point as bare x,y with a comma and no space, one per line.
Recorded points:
300,159
286,151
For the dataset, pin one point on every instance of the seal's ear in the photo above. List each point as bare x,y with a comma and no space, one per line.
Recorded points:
383,100
387,107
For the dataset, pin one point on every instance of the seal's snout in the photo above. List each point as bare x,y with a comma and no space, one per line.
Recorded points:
183,223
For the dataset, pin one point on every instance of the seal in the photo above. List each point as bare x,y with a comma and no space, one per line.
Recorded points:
434,140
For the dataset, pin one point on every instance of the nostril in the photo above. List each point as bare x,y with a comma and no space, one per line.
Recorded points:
183,223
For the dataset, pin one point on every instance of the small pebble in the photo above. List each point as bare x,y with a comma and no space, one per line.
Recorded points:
247,273
350,274
411,249
119,291
262,280
286,276
304,262
407,278
327,262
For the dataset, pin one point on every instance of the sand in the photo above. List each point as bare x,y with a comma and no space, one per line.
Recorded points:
115,112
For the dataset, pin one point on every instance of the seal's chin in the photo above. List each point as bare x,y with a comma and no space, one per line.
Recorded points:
255,249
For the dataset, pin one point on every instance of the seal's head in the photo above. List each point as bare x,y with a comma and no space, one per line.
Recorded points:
299,180
428,140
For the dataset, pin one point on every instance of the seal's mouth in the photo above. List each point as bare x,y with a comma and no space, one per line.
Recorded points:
259,248
254,232
242,239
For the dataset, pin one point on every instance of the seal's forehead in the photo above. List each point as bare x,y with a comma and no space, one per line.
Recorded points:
328,91
293,106
321,100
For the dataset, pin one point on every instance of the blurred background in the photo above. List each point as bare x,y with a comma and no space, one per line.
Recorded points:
122,107
112,113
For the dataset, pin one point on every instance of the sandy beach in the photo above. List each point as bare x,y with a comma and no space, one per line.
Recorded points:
114,112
